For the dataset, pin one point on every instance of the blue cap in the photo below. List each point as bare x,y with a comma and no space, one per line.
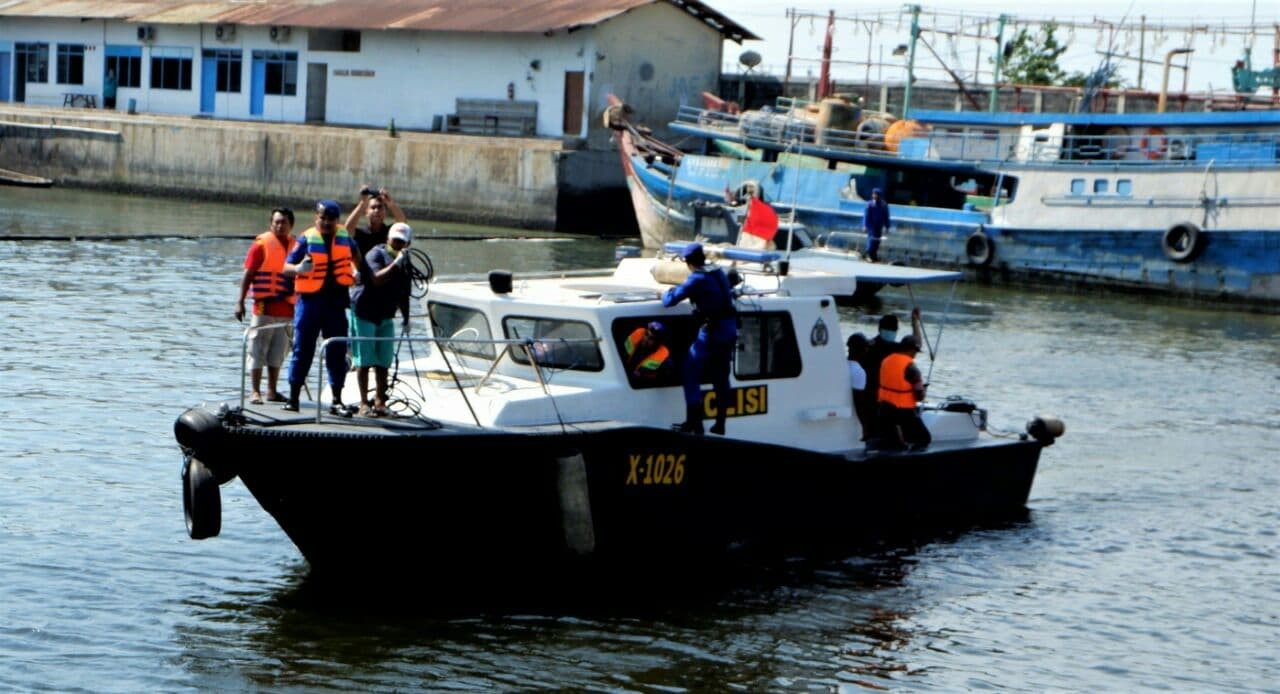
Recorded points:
655,327
693,250
328,208
877,191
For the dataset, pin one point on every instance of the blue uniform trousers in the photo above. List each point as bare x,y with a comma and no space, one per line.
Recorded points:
873,244
317,316
711,357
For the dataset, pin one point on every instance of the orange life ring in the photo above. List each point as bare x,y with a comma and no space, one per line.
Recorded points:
1153,143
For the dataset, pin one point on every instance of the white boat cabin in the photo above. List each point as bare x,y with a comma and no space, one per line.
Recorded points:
790,381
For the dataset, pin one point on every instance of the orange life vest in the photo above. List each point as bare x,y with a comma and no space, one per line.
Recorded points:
343,268
650,362
270,282
895,389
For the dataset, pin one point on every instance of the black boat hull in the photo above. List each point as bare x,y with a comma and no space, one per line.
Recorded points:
374,499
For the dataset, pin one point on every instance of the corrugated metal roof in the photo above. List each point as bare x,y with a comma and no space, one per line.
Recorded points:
531,16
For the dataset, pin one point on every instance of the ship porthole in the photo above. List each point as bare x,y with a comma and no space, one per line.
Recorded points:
1182,242
980,249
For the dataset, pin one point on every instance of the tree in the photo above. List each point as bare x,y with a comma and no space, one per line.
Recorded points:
1033,58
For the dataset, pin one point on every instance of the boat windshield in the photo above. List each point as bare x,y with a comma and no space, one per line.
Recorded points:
578,351
448,320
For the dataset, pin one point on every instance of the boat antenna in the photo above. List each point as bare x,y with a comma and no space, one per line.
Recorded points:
795,198
934,347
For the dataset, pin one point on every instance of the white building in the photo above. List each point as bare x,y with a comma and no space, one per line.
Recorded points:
360,62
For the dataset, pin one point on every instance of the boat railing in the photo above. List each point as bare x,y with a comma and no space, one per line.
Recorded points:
244,351
529,345
795,128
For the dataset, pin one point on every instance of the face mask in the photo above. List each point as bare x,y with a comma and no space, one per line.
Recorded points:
889,335
394,253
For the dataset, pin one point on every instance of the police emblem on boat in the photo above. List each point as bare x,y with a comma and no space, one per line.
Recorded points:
819,335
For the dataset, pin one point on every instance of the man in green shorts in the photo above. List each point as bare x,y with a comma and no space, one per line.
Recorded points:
382,291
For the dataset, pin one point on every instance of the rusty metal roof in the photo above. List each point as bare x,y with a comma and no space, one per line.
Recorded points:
530,16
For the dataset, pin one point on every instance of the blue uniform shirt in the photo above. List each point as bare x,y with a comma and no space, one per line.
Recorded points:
708,290
876,217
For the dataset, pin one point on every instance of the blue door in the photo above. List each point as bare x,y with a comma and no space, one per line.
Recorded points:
208,83
4,75
257,85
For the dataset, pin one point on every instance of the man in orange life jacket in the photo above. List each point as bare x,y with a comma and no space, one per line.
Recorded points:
901,389
273,298
323,261
646,355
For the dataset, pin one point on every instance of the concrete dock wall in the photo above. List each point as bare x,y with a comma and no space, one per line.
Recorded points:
483,180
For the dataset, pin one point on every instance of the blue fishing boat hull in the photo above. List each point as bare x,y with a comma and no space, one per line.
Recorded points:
1238,265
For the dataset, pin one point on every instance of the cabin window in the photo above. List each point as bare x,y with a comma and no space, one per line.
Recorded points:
573,352
766,347
462,323
1124,186
1077,186
70,63
677,333
171,68
1100,186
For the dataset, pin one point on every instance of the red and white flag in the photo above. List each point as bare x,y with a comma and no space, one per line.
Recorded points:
761,220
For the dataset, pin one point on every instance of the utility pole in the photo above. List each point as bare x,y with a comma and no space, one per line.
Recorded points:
791,42
824,73
911,58
994,102
1142,46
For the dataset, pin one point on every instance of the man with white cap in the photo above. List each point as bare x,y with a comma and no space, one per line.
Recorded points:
382,291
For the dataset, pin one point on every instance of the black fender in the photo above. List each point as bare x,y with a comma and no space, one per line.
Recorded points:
1182,242
979,248
201,500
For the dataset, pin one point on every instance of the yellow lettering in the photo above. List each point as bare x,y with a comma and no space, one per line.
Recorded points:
648,470
670,468
631,476
679,469
709,404
753,401
737,409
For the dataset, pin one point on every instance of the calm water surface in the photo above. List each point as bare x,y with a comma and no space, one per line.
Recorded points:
1150,559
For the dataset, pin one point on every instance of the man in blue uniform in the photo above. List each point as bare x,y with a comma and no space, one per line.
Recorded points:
708,290
875,222
322,264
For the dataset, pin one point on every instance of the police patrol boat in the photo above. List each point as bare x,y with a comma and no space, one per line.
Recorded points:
522,434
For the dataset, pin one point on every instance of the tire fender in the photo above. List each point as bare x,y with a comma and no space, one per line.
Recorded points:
201,500
1182,242
979,248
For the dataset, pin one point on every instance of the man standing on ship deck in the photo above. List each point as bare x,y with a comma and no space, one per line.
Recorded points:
875,222
273,299
323,261
712,351
376,203
383,290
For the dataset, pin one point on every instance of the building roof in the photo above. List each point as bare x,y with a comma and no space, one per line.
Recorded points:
530,16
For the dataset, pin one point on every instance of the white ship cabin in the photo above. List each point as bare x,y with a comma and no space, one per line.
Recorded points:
790,383
1195,140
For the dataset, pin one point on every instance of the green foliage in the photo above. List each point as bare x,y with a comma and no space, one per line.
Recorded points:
1033,58
1081,79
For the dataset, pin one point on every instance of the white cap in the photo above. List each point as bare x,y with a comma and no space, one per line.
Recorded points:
401,231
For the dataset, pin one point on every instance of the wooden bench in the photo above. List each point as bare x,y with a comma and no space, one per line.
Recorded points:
74,99
504,117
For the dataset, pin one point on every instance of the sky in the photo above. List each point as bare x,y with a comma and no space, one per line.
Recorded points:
1216,48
